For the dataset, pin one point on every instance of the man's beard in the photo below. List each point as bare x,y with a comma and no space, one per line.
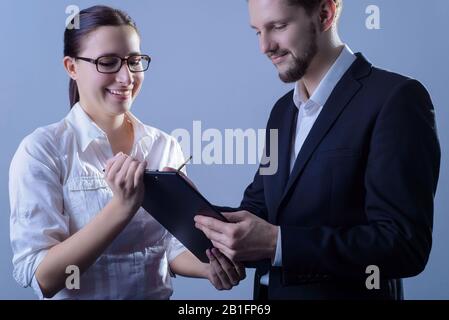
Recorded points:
298,67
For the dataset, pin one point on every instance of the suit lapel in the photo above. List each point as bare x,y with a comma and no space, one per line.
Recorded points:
276,183
345,90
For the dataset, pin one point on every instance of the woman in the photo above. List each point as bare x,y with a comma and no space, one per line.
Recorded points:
65,211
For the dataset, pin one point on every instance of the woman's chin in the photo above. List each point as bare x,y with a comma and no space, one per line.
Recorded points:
120,105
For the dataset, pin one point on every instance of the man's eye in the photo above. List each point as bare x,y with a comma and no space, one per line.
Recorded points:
279,27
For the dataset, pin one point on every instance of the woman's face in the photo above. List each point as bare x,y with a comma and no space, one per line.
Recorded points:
108,94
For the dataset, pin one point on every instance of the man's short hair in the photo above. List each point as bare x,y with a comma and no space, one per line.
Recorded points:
311,5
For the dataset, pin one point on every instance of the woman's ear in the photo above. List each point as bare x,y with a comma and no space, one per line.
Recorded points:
70,67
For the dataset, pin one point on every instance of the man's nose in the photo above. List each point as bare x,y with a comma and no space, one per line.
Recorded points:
267,44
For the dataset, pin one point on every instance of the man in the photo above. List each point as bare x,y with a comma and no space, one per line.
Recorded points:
358,168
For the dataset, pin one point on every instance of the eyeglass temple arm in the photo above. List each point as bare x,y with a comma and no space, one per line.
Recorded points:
87,59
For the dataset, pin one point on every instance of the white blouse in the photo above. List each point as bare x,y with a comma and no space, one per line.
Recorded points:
56,187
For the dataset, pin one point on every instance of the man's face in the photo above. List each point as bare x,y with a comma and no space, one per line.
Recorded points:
287,35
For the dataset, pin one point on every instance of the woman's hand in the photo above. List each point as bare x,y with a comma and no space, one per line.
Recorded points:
124,176
222,272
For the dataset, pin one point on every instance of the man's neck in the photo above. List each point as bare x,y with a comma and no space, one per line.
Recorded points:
320,65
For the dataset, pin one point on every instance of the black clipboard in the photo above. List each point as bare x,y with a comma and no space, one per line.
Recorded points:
173,202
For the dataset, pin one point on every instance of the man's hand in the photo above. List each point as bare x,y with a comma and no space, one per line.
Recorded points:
246,238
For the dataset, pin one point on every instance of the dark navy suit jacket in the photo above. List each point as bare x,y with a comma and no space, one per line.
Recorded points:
361,191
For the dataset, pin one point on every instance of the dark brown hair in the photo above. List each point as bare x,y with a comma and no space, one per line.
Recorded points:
311,5
89,20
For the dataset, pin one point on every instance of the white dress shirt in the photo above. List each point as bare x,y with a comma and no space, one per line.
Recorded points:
308,112
56,187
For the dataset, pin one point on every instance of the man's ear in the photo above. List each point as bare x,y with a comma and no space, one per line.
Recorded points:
70,67
327,14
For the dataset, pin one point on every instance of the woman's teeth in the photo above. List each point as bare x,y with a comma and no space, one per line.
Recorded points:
122,93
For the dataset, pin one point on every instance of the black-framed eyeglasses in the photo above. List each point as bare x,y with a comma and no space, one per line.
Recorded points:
112,63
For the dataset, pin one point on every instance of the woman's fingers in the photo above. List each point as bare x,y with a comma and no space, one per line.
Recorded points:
116,166
240,269
130,172
124,177
232,276
223,270
214,265
139,173
124,171
111,161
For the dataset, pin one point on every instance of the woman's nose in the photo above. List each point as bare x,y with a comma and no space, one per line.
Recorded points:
124,75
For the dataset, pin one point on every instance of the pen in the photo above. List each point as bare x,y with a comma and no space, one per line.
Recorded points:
182,165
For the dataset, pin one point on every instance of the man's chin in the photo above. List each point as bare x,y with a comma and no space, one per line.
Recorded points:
289,74
288,77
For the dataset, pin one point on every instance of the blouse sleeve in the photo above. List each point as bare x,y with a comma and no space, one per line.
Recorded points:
37,220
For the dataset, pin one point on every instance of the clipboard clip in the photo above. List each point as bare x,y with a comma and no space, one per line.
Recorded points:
182,165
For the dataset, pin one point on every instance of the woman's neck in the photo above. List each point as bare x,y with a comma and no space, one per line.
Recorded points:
122,138
118,129
112,125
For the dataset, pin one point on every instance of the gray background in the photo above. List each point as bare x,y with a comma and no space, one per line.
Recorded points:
207,66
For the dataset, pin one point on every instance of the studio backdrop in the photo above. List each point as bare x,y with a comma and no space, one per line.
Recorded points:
207,80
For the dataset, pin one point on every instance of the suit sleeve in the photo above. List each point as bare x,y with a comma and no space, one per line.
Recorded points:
254,198
400,184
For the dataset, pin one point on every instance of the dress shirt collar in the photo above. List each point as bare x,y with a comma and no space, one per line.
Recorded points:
327,84
86,130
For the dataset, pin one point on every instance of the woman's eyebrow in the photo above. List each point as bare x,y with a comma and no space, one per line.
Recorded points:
116,54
